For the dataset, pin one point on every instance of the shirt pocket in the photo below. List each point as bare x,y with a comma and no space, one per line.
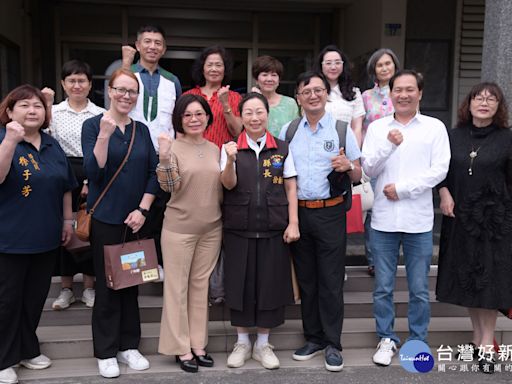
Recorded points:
235,210
277,210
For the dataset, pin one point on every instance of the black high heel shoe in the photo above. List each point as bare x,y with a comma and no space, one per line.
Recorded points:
189,365
486,364
204,360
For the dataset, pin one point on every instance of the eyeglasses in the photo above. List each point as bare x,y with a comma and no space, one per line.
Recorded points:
490,100
198,115
124,91
329,63
80,82
309,92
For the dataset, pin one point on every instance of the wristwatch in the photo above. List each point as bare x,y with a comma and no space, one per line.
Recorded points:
228,110
144,212
352,166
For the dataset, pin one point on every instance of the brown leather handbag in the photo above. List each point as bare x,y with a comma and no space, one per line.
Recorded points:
83,218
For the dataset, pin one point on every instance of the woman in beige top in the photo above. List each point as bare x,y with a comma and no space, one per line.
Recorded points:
191,234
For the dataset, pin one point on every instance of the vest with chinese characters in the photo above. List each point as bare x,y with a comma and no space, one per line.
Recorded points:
258,202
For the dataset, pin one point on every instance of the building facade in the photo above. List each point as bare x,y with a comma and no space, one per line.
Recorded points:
443,39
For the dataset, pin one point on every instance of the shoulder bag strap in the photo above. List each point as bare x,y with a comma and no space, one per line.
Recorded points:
91,211
292,128
341,128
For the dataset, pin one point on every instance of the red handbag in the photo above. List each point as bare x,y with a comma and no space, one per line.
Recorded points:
355,216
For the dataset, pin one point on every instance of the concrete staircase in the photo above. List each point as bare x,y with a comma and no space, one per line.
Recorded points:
66,337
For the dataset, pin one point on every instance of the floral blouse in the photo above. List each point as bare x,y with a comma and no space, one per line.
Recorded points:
377,104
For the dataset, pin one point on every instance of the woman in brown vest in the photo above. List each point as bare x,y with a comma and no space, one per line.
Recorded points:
260,219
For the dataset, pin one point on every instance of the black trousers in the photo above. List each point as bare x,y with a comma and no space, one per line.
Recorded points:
67,263
115,316
319,258
153,226
24,283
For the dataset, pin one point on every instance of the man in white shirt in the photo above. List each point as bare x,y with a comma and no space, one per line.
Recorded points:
409,154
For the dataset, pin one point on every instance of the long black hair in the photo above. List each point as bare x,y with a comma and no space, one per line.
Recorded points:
345,80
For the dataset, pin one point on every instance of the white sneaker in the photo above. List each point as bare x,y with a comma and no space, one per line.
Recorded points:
241,353
8,376
65,299
265,355
108,367
88,297
134,359
386,349
38,362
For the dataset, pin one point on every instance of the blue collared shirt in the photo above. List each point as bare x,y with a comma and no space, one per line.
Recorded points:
313,153
151,81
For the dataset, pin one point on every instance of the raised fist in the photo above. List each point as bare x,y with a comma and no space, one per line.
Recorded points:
395,136
231,149
164,144
15,132
49,95
107,126
223,94
128,54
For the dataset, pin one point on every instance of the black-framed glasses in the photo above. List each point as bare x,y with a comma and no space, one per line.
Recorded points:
123,91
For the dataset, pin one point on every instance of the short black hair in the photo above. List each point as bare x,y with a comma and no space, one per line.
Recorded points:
182,104
76,67
198,66
151,28
305,77
404,72
253,95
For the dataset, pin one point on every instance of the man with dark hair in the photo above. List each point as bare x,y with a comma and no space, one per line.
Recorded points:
158,92
408,153
326,157
158,88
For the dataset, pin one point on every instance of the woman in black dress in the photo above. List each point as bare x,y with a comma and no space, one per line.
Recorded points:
259,219
475,254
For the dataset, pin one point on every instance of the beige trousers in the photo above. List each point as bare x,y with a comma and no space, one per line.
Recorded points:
188,263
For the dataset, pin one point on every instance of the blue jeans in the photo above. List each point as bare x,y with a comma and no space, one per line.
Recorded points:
417,249
368,247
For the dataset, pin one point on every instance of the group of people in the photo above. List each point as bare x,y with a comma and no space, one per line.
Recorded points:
262,176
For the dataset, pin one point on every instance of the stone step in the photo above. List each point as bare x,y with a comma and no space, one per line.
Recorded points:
357,305
358,281
87,366
75,341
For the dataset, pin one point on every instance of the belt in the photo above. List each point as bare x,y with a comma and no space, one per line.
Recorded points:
321,203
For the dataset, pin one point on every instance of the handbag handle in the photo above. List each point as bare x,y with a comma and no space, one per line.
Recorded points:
91,211
125,232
